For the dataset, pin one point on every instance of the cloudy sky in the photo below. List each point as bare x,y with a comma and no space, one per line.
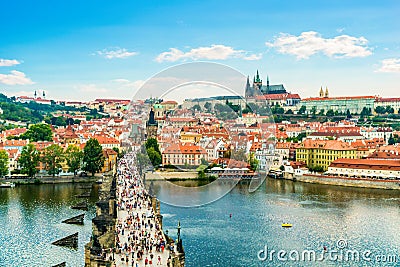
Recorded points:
90,49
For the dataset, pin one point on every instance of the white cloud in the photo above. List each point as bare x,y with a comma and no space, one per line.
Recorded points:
116,53
14,78
91,88
390,65
127,83
8,62
340,30
213,52
310,43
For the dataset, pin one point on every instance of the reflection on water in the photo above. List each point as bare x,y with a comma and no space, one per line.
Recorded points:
30,220
367,219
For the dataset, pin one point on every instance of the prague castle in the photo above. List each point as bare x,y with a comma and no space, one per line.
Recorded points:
259,89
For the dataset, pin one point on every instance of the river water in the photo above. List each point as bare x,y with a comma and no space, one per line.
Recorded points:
342,219
361,219
30,220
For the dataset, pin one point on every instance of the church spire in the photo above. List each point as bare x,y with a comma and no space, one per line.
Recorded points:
267,81
326,92
247,91
35,95
321,93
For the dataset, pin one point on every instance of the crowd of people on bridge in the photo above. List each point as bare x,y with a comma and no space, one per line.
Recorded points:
139,237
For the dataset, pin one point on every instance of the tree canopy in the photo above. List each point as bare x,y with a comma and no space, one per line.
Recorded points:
93,159
3,163
52,157
29,160
38,132
74,157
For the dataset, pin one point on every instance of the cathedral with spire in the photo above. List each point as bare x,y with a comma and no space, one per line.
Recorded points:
259,89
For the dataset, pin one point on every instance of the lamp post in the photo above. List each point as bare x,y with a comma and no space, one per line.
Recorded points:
179,231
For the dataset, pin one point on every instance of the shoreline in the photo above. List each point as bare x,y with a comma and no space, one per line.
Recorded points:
348,182
51,180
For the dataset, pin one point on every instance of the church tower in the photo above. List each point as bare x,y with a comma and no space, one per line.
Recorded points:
151,126
248,91
326,92
35,95
44,95
257,83
321,93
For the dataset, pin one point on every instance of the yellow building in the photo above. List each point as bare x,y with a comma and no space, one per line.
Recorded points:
190,137
323,152
110,159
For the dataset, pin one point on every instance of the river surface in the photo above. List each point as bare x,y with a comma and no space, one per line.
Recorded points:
335,217
342,219
30,220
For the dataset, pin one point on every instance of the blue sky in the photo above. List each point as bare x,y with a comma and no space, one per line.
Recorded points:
89,49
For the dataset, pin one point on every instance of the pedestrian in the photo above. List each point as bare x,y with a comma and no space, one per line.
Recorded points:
146,261
159,260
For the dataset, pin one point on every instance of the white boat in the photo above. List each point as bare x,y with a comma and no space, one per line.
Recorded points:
7,184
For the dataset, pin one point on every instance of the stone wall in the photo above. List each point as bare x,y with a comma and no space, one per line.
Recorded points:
353,182
170,175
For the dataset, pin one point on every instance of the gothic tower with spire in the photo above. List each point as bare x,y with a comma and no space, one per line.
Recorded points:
248,90
257,83
321,93
151,126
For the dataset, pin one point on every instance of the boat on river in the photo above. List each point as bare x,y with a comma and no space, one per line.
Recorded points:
7,185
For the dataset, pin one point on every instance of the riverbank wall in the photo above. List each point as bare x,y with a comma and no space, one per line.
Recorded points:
52,180
351,182
103,225
154,176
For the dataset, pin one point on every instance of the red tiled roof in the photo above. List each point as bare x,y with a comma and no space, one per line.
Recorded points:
184,149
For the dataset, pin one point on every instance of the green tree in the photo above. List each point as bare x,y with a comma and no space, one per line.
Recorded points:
348,114
253,162
29,160
154,156
152,142
208,106
93,159
365,112
302,110
74,157
196,107
289,112
313,111
389,110
330,113
203,161
38,132
52,158
321,112
380,110
277,109
3,163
